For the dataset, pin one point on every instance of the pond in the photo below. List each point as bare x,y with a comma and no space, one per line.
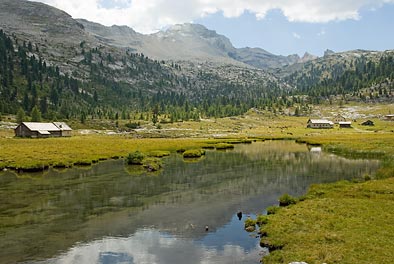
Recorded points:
114,213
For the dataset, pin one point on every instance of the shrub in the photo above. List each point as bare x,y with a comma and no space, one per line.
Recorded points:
272,209
261,220
152,164
133,125
193,153
250,224
286,200
135,158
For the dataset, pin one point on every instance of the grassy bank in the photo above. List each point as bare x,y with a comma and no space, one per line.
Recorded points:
28,154
336,223
342,222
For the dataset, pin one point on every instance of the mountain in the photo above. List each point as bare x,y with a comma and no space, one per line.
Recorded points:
75,68
307,57
328,52
184,42
51,61
263,59
357,75
188,42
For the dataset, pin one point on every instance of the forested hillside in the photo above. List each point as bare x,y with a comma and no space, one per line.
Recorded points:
116,85
359,76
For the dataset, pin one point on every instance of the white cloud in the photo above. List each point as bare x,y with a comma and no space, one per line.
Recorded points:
297,36
151,15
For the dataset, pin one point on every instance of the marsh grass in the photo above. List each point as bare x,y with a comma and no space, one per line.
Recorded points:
20,153
224,146
193,153
337,223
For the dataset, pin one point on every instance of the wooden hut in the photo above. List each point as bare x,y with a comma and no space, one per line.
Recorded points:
339,118
319,123
345,124
368,123
42,130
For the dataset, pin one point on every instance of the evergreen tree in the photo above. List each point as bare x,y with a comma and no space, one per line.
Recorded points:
35,114
20,116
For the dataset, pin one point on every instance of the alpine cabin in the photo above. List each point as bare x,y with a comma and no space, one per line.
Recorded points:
42,130
319,123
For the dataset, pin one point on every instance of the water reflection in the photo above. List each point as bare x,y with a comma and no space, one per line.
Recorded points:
72,212
151,246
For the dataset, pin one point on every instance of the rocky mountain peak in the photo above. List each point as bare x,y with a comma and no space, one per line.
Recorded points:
38,21
328,52
308,57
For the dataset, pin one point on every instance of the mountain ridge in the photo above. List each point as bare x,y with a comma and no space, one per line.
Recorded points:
191,41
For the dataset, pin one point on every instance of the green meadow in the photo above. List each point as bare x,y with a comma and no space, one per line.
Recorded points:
344,222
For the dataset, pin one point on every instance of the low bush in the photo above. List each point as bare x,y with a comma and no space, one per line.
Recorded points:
250,224
272,209
286,200
135,158
152,164
261,220
133,125
193,153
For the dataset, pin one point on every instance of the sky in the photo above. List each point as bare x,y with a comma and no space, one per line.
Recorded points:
281,27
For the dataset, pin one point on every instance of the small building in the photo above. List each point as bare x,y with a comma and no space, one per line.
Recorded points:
389,117
345,124
64,128
320,123
339,118
42,130
368,123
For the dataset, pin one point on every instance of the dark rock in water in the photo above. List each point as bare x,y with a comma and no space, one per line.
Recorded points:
239,214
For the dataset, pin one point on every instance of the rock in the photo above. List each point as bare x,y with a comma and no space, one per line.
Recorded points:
239,214
250,228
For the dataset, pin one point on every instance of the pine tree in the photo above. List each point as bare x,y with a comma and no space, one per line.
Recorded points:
20,116
35,114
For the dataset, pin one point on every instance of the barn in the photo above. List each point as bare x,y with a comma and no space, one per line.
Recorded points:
42,130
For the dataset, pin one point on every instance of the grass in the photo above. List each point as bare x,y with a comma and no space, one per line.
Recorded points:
18,153
336,223
223,146
193,153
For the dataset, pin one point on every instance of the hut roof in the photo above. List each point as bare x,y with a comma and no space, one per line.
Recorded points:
320,121
62,126
35,126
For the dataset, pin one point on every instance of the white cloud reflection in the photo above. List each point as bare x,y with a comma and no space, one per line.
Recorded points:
151,246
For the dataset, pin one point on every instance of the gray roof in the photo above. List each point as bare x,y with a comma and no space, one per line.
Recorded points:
320,121
62,126
45,128
35,126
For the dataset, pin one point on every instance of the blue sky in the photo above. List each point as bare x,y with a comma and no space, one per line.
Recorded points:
278,26
373,31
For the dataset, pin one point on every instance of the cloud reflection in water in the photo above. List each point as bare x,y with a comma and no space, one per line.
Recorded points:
151,246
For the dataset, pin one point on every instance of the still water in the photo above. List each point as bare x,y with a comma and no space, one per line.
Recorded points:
114,213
